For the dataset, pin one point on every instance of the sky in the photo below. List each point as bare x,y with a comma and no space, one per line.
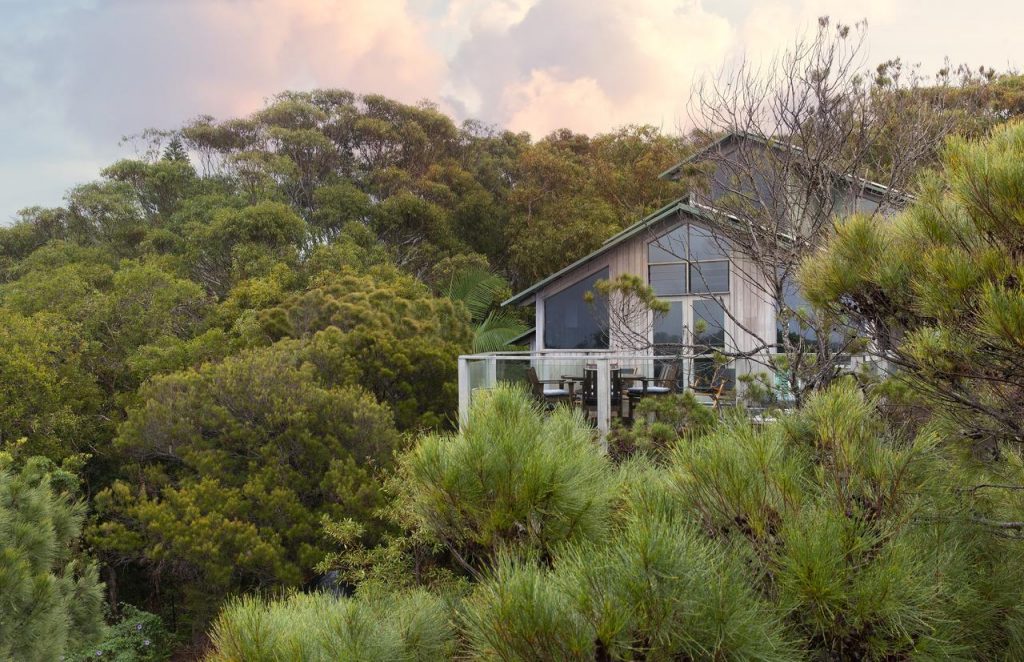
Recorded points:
78,75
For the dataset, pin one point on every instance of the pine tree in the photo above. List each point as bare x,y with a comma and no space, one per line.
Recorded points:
175,150
50,597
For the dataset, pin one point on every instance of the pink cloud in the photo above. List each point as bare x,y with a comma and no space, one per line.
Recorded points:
161,63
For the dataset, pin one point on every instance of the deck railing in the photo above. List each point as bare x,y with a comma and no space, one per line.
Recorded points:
481,372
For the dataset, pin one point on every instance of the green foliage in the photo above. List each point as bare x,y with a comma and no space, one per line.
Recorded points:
656,591
46,395
510,478
846,522
384,332
659,422
575,191
232,467
320,627
481,291
50,594
138,636
821,536
940,285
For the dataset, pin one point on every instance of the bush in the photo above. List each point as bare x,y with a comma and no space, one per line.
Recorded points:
235,464
319,627
138,636
50,595
656,590
852,528
511,477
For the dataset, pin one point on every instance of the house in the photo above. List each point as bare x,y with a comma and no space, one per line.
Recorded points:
718,298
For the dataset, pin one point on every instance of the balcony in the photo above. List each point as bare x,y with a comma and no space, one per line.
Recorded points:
606,384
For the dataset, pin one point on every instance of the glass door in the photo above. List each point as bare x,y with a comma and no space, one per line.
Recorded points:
695,328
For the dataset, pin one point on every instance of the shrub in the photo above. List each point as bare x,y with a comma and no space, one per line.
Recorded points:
235,464
320,627
138,636
50,595
655,590
511,476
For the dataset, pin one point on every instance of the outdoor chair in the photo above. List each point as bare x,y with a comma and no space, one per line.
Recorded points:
588,390
545,390
667,384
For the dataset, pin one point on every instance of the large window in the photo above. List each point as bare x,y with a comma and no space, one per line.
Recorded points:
801,333
668,328
571,322
688,260
708,344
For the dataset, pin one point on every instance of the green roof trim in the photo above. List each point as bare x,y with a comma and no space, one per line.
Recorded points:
522,336
680,205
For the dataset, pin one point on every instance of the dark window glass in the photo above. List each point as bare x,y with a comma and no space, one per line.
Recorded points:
670,247
570,322
708,325
708,277
709,375
797,332
667,279
705,246
668,328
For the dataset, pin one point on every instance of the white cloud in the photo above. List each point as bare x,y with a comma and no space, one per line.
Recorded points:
589,64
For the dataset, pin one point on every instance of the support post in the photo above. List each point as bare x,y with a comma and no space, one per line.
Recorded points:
464,391
492,372
604,401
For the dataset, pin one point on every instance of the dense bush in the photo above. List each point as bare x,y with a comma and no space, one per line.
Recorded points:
235,464
50,595
137,636
510,478
939,286
320,627
821,536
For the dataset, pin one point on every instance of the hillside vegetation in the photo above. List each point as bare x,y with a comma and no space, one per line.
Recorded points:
228,374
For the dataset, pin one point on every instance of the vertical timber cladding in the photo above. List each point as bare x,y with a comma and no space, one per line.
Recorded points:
754,312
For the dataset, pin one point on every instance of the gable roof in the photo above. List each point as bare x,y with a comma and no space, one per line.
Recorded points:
701,154
866,184
681,205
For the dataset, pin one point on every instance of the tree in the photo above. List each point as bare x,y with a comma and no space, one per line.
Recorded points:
51,600
48,400
457,488
572,193
230,468
384,332
938,287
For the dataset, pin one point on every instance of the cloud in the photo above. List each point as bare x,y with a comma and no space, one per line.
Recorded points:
128,64
589,64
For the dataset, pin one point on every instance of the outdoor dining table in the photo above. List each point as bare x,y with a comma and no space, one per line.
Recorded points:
621,378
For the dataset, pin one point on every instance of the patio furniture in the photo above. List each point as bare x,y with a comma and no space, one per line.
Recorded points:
545,391
667,384
588,390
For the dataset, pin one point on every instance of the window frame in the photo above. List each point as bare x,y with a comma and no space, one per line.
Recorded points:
688,263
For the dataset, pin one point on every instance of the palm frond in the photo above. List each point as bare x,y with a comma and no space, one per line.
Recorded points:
476,289
495,332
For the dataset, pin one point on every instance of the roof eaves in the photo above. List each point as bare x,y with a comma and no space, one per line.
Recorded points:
522,336
716,144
